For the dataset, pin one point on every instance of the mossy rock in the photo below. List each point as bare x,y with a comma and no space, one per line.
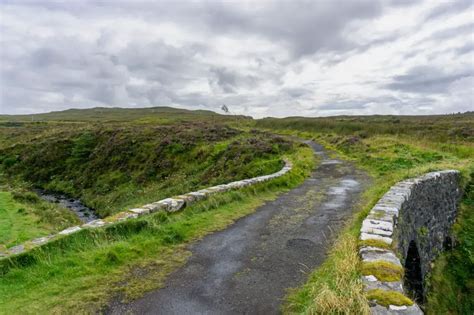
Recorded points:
374,243
386,298
383,271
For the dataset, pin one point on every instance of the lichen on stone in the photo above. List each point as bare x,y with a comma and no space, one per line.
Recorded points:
387,298
374,243
382,270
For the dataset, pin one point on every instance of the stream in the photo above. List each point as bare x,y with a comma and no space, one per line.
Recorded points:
84,213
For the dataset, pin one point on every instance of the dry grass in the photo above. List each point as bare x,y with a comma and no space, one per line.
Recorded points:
335,287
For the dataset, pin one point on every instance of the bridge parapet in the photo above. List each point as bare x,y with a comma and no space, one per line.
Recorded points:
402,235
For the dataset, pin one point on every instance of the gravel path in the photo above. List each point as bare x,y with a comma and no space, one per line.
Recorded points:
248,267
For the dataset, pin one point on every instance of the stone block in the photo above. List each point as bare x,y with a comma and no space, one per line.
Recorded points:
197,195
41,240
153,207
172,204
94,224
140,211
378,256
16,249
70,230
388,286
381,215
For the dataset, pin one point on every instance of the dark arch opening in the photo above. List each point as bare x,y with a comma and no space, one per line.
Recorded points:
448,243
413,277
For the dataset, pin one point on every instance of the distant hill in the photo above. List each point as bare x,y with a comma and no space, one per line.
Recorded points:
119,114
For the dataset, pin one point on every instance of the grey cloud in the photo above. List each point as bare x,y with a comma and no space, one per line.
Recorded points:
465,49
304,26
446,8
228,81
54,71
425,79
461,30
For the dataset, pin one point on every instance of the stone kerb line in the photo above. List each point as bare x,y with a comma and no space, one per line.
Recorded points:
418,212
173,204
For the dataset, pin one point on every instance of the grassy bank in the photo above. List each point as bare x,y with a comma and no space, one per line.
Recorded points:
112,165
83,272
390,150
24,216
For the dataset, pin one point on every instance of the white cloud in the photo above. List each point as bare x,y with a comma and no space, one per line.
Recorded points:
277,59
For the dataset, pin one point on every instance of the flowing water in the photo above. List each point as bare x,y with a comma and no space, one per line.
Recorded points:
84,213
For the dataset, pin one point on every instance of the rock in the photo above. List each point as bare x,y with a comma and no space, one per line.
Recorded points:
153,207
369,278
125,215
41,240
70,230
94,224
140,211
390,257
16,249
390,286
173,205
367,236
410,310
197,195
378,227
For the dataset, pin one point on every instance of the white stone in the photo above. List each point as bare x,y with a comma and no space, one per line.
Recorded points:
94,224
140,211
70,230
377,224
387,209
381,216
197,195
152,207
128,215
370,278
173,205
365,249
41,240
397,308
17,249
376,231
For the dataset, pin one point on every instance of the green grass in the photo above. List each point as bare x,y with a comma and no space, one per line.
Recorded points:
23,216
390,149
115,166
16,224
82,272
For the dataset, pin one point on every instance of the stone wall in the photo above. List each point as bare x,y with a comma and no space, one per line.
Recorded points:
169,205
403,233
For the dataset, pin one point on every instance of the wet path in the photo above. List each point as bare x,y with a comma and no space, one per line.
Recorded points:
247,268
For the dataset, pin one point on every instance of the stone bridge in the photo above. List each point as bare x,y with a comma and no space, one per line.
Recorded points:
402,235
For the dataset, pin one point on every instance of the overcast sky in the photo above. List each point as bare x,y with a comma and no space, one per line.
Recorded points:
260,58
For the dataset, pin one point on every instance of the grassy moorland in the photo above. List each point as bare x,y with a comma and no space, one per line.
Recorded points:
112,163
391,149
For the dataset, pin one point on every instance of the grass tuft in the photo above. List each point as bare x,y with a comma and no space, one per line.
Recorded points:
386,298
334,288
382,270
374,243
